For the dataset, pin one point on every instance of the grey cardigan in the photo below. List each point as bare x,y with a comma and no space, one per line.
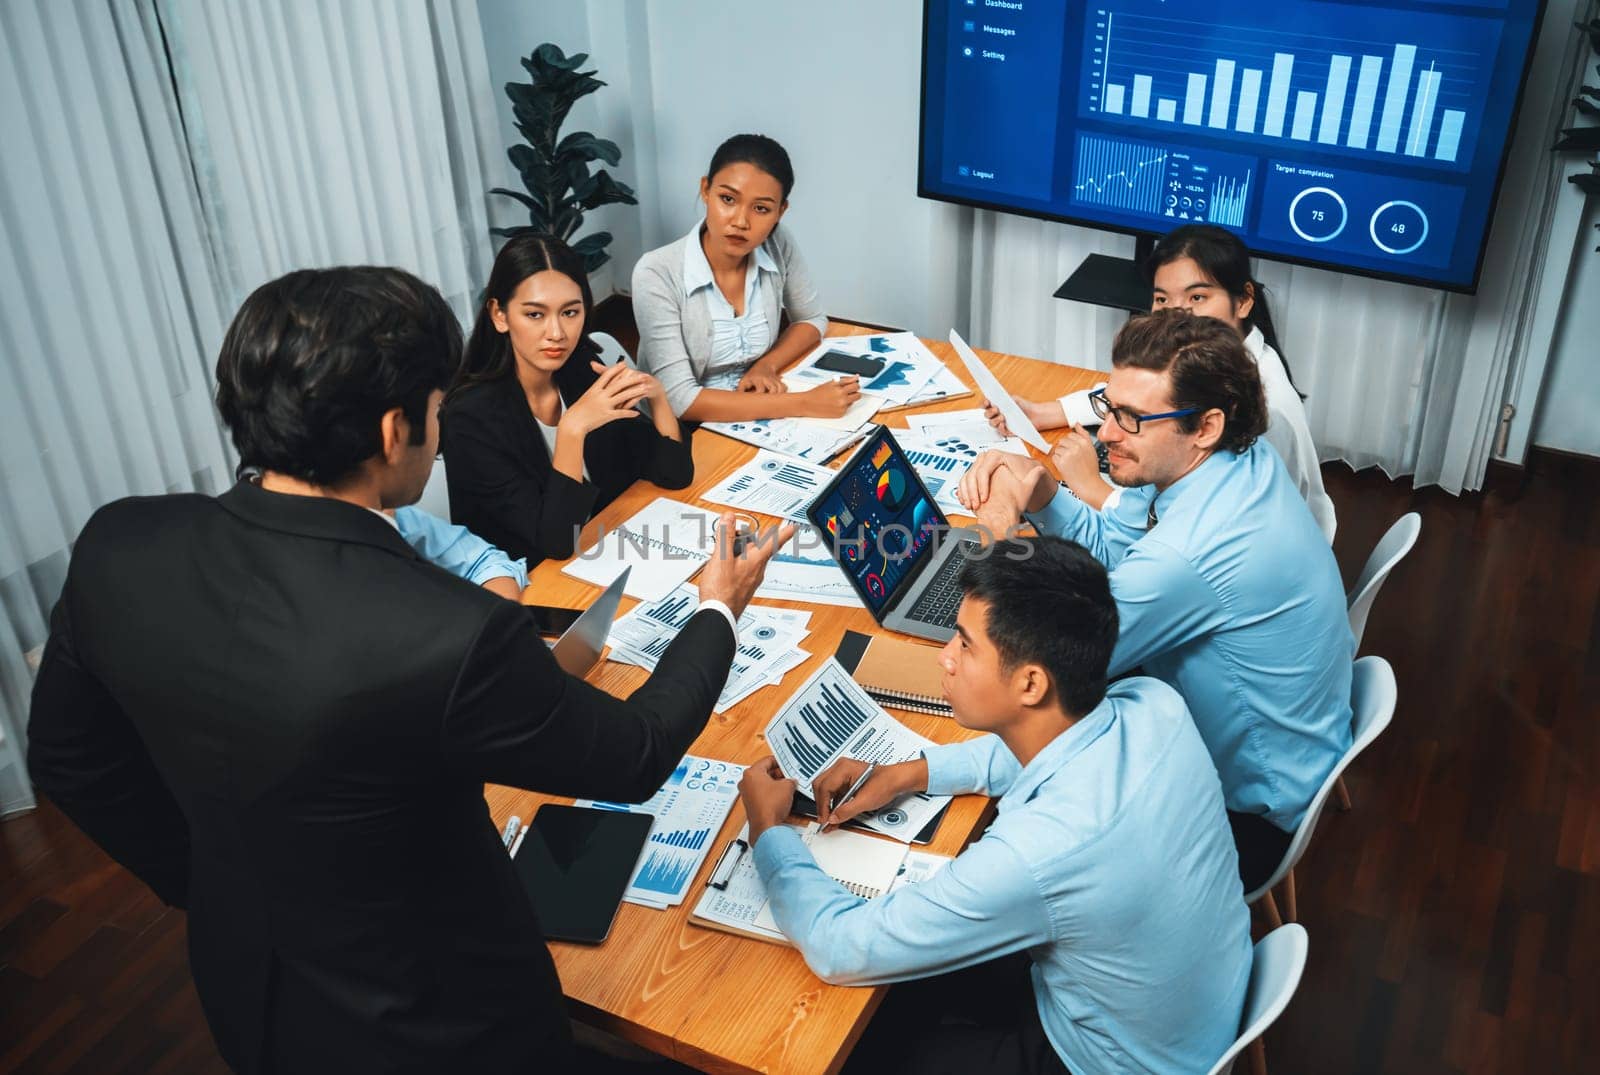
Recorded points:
675,330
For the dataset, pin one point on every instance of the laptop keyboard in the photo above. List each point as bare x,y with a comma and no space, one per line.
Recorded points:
938,603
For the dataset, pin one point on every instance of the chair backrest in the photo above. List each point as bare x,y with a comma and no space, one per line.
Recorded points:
1275,970
611,352
1390,550
435,498
1372,701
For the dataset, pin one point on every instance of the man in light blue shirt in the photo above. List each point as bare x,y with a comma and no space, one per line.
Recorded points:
1110,863
1225,587
461,552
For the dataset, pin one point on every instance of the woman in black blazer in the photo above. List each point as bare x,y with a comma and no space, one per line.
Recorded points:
536,435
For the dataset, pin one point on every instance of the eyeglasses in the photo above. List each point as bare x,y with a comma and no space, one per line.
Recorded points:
1129,421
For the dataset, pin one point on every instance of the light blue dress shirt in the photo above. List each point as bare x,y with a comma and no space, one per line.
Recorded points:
736,340
1234,598
1110,861
456,549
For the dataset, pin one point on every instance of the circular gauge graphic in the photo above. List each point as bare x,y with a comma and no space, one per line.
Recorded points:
1318,214
892,489
922,520
1398,227
893,817
874,584
766,633
772,465
852,549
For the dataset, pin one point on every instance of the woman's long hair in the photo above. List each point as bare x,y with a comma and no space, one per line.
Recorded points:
1222,256
488,355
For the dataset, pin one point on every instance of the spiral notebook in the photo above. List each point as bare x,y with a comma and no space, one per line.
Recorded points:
895,672
735,900
664,543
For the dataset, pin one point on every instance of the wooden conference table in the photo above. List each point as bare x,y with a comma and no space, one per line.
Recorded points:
709,999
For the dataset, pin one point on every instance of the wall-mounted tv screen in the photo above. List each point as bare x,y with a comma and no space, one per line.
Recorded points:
1364,137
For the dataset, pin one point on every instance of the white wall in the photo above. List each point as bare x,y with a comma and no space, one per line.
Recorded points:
1569,400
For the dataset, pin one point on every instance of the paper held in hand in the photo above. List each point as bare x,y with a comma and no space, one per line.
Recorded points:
995,393
831,717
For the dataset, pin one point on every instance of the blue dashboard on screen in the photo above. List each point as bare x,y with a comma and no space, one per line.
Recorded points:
1368,137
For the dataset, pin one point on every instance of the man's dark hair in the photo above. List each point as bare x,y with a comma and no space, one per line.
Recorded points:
1049,603
757,149
1208,366
314,359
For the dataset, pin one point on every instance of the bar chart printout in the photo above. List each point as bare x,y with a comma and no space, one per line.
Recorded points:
1357,95
688,810
831,717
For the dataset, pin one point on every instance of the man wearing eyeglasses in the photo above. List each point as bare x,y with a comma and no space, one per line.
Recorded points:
1225,586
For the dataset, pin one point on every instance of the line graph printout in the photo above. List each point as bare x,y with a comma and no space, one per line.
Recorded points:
831,717
688,810
805,570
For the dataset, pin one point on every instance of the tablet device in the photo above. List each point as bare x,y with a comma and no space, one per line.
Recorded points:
579,649
575,864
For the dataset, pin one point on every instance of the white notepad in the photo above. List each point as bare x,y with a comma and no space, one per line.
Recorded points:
869,867
665,543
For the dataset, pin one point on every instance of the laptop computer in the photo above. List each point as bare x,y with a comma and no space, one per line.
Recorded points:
579,647
892,541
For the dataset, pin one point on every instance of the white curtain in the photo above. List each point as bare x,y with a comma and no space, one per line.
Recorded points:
110,317
331,132
136,218
1400,377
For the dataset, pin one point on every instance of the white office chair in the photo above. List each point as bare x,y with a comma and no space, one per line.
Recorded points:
435,499
1389,551
1372,700
1275,970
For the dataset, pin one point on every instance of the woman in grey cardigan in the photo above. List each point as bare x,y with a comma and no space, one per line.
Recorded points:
709,305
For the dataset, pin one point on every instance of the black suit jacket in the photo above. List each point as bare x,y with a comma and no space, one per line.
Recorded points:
273,712
503,486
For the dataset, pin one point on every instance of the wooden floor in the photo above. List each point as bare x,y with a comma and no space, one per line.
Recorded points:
1454,915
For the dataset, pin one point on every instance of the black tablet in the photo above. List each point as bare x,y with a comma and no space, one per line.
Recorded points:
575,864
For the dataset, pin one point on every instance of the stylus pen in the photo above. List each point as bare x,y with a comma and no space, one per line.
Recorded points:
857,786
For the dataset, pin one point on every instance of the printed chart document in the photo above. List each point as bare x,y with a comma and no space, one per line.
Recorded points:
802,438
772,484
830,717
735,900
688,810
805,570
768,648
941,463
903,364
665,543
995,393
965,432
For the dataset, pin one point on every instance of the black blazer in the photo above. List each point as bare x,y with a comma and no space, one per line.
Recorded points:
278,716
502,485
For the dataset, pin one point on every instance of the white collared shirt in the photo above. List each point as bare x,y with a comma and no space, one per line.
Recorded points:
736,340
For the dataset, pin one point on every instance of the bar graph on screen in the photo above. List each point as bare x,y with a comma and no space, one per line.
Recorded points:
1354,95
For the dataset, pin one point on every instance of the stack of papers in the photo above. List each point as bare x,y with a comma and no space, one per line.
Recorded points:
688,810
813,441
805,570
832,717
907,366
769,641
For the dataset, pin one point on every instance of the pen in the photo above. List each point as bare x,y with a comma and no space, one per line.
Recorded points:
513,823
861,780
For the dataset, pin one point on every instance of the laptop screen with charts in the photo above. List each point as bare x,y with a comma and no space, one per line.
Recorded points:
887,535
579,649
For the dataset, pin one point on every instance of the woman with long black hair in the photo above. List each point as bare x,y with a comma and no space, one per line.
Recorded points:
538,436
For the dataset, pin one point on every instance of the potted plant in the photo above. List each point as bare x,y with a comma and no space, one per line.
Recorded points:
560,186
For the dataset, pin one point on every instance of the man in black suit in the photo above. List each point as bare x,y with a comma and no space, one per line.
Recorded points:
271,710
